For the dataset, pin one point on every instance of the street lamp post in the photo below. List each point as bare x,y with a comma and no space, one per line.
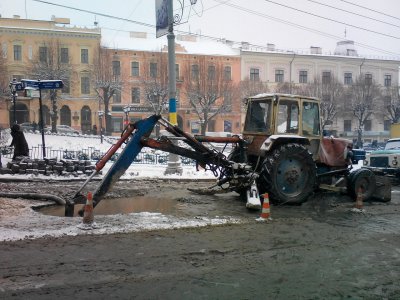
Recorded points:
101,114
14,94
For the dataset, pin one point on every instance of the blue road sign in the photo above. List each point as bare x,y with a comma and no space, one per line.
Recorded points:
42,84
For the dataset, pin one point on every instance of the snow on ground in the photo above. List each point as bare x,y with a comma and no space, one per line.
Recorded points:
19,221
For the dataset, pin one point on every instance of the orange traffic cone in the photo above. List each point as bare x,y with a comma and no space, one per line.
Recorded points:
359,199
265,212
88,215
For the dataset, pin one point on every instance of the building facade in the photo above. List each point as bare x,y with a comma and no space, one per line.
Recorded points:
25,42
141,60
276,67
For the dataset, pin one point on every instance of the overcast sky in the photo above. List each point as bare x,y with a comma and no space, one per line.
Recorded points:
255,21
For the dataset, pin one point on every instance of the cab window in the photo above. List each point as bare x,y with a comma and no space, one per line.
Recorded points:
288,117
258,116
310,122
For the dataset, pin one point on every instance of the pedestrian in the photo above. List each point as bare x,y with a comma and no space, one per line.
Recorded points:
19,142
94,129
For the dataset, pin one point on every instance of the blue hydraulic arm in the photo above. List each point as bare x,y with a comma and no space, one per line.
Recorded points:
135,132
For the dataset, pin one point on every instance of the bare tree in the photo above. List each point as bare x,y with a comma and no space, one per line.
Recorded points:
332,94
250,88
107,81
155,84
365,97
208,91
392,103
51,64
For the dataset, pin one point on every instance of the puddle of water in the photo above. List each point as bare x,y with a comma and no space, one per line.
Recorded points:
121,206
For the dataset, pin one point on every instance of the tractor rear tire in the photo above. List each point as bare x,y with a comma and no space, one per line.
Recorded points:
288,174
364,179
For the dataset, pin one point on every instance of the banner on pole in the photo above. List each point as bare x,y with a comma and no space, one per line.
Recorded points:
161,18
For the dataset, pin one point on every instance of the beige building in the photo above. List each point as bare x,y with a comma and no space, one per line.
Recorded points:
24,42
294,68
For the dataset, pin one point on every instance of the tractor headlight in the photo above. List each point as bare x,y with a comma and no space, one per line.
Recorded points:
394,162
365,162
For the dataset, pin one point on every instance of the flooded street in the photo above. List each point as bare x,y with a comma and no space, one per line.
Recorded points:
319,250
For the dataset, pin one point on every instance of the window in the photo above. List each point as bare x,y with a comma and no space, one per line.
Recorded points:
254,74
347,125
227,126
117,97
135,95
310,121
116,67
4,49
388,80
43,54
84,56
17,52
177,71
303,77
387,101
228,99
85,85
178,96
195,72
227,73
386,125
64,56
30,52
153,70
348,78
211,72
279,77
288,117
135,68
367,125
117,124
368,78
326,77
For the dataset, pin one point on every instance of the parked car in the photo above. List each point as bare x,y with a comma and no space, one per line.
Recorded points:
63,129
387,160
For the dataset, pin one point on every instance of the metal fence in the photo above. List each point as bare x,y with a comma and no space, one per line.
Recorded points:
93,154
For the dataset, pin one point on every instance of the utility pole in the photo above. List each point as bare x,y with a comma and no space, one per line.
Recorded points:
174,161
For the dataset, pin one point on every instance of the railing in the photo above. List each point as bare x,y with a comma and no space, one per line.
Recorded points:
93,154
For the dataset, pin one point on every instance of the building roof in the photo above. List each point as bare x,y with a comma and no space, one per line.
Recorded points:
184,44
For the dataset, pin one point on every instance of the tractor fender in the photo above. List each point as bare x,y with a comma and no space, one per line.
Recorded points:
276,140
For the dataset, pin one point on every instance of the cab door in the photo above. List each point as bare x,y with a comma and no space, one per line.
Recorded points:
310,126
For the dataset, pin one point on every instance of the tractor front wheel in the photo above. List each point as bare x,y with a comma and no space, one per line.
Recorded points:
288,174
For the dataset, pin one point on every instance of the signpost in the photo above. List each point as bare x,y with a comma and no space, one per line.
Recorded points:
42,85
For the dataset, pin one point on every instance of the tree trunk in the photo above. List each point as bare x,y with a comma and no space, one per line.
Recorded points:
359,138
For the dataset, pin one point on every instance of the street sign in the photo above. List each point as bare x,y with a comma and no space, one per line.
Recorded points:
30,84
42,84
51,84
